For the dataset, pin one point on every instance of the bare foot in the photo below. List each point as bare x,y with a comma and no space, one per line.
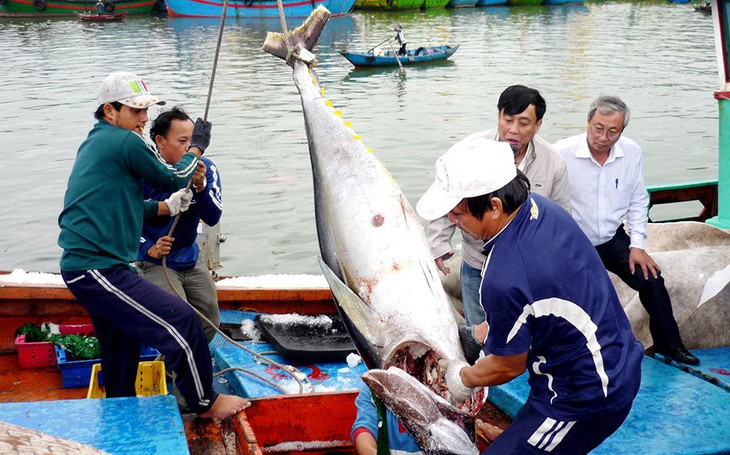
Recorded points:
225,406
487,431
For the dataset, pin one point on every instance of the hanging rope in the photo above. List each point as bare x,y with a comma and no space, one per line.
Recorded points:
215,59
292,371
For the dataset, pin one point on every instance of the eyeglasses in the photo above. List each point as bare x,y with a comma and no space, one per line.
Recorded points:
599,131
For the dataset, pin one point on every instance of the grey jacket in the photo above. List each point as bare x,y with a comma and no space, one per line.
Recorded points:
548,176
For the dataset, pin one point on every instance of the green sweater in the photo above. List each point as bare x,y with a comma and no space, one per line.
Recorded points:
104,206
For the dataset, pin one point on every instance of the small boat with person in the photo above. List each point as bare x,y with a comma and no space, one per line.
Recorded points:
93,17
378,57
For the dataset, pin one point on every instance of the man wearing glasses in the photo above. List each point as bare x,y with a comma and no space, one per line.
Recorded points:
607,185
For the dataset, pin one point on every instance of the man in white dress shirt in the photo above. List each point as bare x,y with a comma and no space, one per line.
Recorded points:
606,186
520,111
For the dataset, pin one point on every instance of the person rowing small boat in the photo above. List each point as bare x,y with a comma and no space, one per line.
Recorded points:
93,17
377,57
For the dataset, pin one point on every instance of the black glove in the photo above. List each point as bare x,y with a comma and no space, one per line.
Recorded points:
472,348
201,135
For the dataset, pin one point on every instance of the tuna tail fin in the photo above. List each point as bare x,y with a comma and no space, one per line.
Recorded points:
303,37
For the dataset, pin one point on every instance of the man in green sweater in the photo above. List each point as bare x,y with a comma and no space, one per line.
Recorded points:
101,224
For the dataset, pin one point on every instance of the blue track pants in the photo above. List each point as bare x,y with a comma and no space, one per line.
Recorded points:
128,310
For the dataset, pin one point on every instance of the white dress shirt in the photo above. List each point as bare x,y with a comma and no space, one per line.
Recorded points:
603,196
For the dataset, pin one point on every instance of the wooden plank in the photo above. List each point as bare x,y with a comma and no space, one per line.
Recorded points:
40,303
292,418
32,384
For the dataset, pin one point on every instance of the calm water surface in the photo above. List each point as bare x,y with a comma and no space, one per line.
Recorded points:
659,57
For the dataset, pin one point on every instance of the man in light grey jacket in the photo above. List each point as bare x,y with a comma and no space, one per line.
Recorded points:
520,111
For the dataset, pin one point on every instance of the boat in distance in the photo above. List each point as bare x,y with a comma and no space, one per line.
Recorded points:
390,58
91,17
255,8
70,8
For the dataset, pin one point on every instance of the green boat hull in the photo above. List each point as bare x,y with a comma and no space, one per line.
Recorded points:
389,5
432,4
33,8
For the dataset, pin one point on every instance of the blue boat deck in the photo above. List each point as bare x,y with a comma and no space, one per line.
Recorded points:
674,412
119,426
679,409
325,377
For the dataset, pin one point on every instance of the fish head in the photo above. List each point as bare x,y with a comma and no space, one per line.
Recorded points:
420,360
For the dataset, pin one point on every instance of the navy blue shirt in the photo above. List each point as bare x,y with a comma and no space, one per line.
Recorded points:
546,292
206,206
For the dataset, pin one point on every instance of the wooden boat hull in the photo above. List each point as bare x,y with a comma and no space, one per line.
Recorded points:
102,18
31,303
33,8
282,424
416,56
255,8
523,2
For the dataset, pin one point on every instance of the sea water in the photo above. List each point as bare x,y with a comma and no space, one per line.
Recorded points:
659,57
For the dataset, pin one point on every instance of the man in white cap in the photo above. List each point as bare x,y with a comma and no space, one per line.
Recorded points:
101,223
550,306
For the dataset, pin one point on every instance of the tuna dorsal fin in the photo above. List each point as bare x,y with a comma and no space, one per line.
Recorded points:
353,306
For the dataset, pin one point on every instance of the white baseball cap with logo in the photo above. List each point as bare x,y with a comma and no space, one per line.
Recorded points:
472,167
128,89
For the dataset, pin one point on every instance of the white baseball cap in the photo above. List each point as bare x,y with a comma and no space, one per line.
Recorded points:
472,167
128,89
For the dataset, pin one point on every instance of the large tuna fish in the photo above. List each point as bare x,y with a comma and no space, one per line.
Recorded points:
376,260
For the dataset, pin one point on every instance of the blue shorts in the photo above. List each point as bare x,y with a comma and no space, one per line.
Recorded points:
534,433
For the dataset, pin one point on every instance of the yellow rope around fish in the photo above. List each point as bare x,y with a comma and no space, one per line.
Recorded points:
315,81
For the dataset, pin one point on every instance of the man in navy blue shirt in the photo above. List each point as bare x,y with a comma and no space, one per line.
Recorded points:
550,306
189,275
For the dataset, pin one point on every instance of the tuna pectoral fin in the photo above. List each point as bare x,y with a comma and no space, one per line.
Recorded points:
437,426
304,36
355,309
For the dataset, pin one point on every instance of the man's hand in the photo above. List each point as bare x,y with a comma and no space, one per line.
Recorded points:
451,369
179,201
199,180
440,262
201,135
161,248
639,257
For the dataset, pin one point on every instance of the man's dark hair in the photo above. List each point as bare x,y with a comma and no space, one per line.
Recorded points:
99,114
516,98
512,196
161,125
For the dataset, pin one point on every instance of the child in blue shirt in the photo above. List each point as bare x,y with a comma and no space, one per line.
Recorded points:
365,430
